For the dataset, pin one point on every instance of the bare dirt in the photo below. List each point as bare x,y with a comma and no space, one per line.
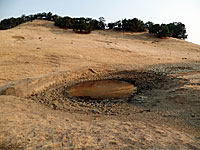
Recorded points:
40,62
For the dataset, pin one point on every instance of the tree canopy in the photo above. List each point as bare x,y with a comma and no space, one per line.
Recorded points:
175,29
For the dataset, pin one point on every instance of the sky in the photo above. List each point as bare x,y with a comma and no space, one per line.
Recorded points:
157,11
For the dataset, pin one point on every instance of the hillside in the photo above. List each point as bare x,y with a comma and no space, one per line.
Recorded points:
39,61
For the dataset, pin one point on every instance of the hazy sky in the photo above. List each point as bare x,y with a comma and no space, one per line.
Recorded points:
157,11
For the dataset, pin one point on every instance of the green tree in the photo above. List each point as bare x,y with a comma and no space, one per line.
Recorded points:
82,25
164,31
134,25
49,16
111,25
101,23
149,24
154,29
177,30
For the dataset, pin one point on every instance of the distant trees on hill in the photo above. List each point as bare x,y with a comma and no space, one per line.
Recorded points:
86,25
133,25
13,22
80,25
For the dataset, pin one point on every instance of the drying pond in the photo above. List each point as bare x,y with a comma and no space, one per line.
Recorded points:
105,89
103,93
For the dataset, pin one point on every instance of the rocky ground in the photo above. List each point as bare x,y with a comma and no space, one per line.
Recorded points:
36,112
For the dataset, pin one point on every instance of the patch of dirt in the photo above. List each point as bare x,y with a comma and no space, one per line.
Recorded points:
18,37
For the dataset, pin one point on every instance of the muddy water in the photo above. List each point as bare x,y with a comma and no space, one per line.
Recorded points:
106,89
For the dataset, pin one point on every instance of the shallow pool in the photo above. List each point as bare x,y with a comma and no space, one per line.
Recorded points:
105,89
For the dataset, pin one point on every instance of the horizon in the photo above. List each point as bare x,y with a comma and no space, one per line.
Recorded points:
156,11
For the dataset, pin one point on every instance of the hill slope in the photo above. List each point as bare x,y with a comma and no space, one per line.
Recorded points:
38,48
38,61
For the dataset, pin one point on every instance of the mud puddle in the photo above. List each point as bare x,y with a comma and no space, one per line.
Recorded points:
105,89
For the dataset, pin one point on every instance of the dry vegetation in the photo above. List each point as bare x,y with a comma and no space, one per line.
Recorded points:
39,61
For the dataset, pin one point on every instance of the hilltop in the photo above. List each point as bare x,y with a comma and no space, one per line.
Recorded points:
39,60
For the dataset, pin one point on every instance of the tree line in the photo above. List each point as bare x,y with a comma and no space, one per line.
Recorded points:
86,25
13,22
81,25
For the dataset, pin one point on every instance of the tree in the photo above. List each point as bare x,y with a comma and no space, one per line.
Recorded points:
82,25
134,25
111,25
178,30
154,29
95,24
102,23
163,31
149,24
69,22
23,18
44,16
49,16
98,24
55,17
60,22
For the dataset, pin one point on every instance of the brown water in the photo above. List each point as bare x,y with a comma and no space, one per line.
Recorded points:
105,89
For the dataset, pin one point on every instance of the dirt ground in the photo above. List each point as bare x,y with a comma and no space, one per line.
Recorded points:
40,62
